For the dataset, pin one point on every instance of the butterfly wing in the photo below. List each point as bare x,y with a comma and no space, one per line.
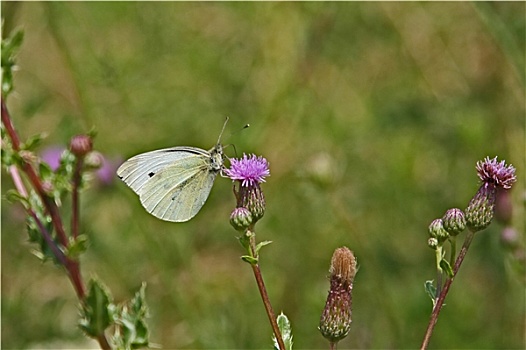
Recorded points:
136,171
178,191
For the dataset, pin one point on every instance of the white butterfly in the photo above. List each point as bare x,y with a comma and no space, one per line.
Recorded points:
173,183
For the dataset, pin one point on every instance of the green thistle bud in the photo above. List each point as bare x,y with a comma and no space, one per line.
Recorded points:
335,321
481,208
432,243
94,160
241,219
436,230
454,221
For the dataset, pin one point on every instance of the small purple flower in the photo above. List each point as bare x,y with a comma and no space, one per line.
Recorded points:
249,170
500,174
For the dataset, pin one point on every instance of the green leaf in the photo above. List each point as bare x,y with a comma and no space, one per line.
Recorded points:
249,259
431,291
33,142
286,332
10,47
131,330
261,245
96,309
35,235
77,246
14,196
446,267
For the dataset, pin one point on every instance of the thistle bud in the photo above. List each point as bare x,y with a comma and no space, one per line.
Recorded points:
479,212
436,230
94,160
454,221
335,321
241,218
80,145
432,243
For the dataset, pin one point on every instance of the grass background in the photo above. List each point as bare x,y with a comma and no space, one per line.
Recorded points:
372,116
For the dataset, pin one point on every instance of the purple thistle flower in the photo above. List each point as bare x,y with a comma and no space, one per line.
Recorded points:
500,174
494,175
249,170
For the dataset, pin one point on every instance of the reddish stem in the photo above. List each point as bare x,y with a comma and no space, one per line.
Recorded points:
440,302
264,295
50,205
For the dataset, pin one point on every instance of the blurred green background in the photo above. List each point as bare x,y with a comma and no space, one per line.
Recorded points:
372,116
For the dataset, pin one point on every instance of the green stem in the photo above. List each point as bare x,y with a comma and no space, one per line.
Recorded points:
440,302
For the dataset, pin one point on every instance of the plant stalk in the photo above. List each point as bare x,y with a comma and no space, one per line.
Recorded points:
440,302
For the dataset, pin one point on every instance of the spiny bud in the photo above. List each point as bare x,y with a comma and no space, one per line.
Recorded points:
253,199
479,212
241,218
335,321
80,145
436,230
454,221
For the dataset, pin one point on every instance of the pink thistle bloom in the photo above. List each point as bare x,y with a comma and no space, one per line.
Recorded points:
249,170
499,174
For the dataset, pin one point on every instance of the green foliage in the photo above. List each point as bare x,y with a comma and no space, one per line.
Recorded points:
10,47
95,315
431,291
446,267
131,331
128,319
77,246
286,332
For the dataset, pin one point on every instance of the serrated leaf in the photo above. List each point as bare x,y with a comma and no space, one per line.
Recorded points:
446,267
285,330
249,259
261,245
131,331
95,312
77,246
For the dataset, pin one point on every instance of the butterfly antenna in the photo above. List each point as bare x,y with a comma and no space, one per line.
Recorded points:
222,130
